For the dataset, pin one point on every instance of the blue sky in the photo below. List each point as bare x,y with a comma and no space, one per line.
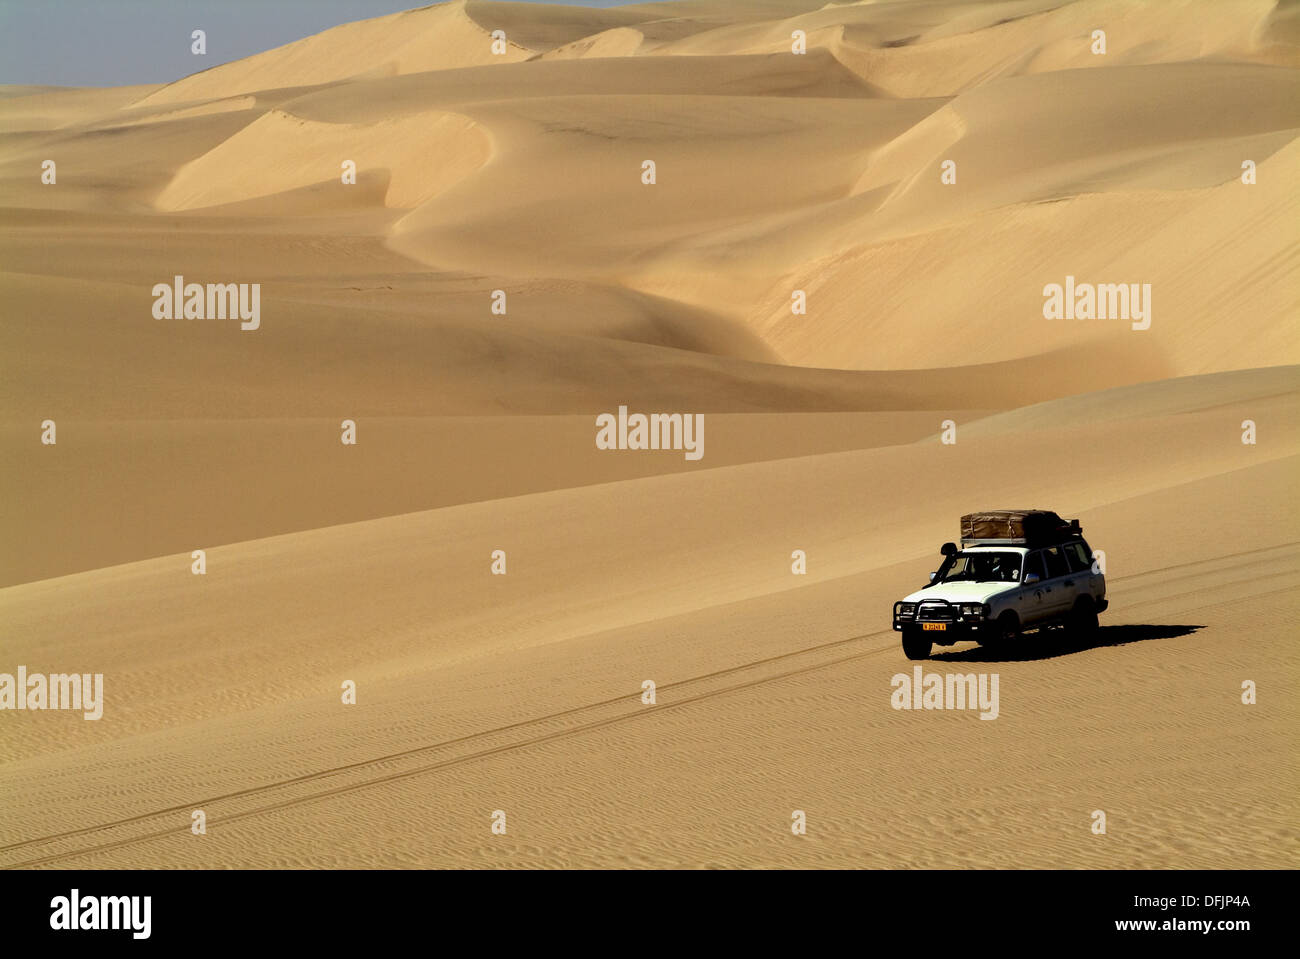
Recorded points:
117,42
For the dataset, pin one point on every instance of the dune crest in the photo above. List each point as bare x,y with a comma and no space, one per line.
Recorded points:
430,38
421,156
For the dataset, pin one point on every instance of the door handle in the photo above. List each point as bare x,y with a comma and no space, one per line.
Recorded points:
1069,582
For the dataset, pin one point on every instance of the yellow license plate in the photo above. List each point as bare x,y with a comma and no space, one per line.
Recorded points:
938,626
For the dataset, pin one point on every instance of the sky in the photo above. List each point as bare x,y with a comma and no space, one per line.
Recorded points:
119,42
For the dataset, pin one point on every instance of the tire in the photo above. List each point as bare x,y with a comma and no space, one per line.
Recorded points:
1083,619
1007,632
916,645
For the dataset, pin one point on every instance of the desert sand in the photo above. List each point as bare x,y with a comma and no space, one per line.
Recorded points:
775,172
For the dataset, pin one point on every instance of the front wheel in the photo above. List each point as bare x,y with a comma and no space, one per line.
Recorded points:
1004,632
916,645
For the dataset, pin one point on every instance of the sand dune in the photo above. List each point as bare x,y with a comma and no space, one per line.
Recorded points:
481,175
426,39
422,158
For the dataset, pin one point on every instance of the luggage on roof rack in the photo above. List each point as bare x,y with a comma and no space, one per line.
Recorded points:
1017,527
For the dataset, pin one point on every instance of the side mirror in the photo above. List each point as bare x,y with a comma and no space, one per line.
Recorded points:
1031,578
947,549
933,575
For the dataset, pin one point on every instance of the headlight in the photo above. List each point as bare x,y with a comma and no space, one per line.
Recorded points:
907,609
972,610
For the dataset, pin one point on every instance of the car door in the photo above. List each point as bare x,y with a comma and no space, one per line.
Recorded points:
1031,600
1059,586
1086,580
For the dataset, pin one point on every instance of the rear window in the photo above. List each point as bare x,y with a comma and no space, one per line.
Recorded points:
1057,565
1077,554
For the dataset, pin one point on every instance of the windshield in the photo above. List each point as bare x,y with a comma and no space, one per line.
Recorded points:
981,567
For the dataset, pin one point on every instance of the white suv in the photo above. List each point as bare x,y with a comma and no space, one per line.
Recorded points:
993,593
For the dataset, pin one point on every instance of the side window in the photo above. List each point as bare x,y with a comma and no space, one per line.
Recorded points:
1077,554
1054,558
1034,564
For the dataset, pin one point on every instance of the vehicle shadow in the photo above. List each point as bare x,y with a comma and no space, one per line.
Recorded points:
1053,643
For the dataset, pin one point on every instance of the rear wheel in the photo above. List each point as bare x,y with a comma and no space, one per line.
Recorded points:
1083,619
916,645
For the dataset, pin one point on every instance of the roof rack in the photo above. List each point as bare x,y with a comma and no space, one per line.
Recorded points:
1020,527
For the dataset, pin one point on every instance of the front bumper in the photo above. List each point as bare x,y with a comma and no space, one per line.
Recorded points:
940,619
